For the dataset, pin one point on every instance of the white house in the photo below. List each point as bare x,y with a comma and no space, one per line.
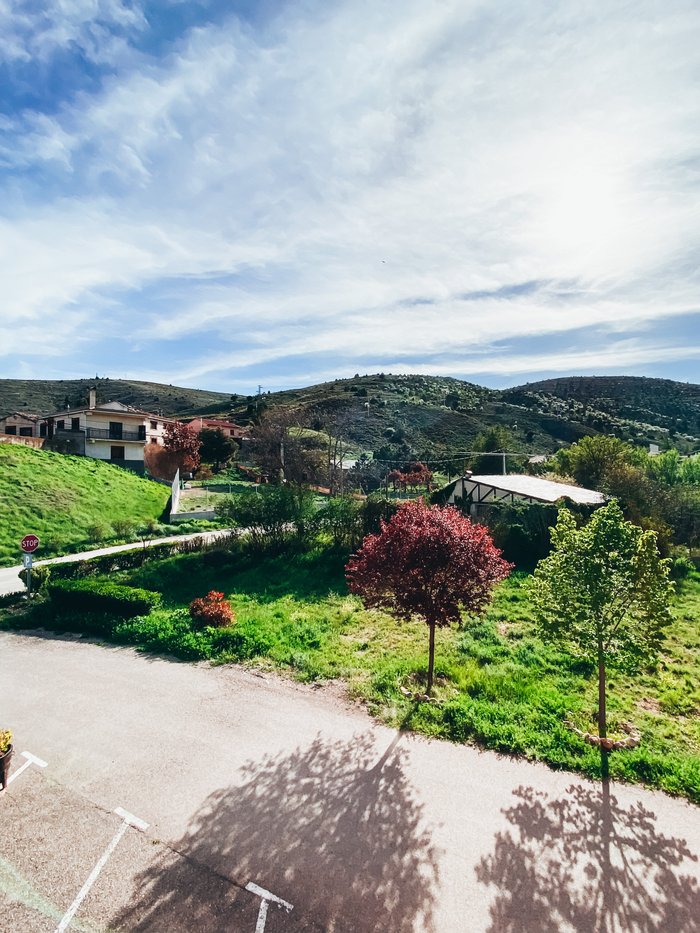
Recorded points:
517,487
109,431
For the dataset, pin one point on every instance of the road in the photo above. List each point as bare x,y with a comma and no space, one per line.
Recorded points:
11,583
250,783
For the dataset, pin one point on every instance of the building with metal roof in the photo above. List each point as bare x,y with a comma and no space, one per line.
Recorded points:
517,487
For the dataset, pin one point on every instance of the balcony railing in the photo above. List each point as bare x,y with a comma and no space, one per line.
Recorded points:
105,434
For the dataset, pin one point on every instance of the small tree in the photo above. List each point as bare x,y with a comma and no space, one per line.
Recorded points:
216,448
429,562
181,440
605,591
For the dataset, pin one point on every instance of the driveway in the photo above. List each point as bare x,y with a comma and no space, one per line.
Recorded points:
272,806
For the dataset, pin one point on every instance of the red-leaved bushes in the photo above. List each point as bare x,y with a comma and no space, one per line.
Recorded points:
211,611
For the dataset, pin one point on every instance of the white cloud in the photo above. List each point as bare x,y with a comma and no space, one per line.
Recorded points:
347,159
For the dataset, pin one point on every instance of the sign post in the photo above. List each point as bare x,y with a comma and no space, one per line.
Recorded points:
29,544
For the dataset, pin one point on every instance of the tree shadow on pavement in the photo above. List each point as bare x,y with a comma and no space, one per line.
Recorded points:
332,828
583,862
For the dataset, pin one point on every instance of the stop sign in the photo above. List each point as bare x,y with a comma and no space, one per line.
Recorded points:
29,544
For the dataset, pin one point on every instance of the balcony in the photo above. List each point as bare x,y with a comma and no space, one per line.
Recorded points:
106,434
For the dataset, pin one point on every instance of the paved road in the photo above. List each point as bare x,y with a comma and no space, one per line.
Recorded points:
11,583
247,779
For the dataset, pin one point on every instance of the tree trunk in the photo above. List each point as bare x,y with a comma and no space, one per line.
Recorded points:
431,658
602,717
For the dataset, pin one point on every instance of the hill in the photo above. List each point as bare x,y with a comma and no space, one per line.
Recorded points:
62,498
634,407
44,396
426,416
432,416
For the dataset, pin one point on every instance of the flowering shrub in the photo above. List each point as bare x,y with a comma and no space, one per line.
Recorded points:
212,610
5,740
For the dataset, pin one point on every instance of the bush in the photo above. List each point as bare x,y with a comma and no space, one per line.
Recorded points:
681,567
123,527
93,596
211,611
40,578
96,533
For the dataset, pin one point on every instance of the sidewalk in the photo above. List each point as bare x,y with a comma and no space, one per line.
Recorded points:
11,583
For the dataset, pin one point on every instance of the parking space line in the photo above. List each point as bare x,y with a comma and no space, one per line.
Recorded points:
266,899
31,760
128,819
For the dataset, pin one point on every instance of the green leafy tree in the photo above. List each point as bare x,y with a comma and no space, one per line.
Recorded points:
605,592
270,517
216,448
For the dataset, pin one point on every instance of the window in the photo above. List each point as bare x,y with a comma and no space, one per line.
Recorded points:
42,429
154,425
115,430
60,425
142,432
117,453
154,440
75,424
11,429
26,432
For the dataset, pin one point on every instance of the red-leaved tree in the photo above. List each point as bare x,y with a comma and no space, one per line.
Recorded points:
181,440
429,562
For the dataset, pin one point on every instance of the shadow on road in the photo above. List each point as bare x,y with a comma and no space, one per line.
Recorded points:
582,862
331,828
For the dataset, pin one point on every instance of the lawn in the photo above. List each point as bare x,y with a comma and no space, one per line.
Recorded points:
498,684
69,502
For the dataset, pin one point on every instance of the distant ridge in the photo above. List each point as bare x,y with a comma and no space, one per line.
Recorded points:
421,415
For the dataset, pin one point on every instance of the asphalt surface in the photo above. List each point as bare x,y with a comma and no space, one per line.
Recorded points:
11,583
250,782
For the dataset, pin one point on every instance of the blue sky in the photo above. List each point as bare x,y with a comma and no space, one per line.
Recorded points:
226,194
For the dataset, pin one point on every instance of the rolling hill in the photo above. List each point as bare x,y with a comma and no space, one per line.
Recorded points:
431,416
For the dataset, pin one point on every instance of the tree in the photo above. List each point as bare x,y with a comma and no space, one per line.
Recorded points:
283,450
429,562
181,440
605,592
216,447
494,439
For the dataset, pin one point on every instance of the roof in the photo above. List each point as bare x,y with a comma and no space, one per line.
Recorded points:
534,487
108,408
21,414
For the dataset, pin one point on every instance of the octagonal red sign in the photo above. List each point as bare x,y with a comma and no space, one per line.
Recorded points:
29,544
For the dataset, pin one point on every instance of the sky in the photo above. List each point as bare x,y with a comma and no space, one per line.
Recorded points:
233,193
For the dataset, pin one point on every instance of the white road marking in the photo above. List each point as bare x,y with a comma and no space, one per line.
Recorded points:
31,760
128,819
266,899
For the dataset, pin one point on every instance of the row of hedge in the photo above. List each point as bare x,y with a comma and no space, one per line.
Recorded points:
101,597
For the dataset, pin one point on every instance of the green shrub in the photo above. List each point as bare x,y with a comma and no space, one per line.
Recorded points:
101,597
40,578
96,532
123,527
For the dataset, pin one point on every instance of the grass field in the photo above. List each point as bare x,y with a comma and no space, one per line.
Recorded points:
63,499
498,684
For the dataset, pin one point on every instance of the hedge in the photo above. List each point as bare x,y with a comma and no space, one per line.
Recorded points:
93,596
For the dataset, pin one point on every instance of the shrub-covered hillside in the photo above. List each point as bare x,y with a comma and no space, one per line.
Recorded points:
68,501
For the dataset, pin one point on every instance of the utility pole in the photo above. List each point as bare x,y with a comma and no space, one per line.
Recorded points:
281,460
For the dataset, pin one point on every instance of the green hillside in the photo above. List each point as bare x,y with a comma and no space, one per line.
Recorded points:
430,416
44,396
633,407
60,498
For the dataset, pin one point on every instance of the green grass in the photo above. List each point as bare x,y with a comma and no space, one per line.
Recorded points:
60,498
497,683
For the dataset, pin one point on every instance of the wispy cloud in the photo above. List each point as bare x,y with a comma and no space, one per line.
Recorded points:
357,180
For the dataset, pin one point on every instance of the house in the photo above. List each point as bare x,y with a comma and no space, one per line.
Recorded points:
217,424
21,424
109,431
480,491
